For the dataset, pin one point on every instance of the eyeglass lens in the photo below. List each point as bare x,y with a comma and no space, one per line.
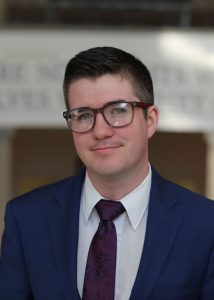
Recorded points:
115,114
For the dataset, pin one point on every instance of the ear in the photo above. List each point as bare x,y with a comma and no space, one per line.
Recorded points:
152,120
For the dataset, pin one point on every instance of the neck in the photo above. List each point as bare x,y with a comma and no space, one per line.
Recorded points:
116,187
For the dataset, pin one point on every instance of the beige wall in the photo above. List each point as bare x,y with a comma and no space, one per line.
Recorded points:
181,157
42,156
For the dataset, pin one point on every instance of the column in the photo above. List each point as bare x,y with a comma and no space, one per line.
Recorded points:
209,137
5,171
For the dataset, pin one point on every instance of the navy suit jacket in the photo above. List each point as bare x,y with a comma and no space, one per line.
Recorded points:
39,247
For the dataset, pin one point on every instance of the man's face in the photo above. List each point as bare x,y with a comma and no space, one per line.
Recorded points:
112,152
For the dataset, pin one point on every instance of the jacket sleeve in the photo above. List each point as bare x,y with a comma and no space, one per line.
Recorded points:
208,285
14,282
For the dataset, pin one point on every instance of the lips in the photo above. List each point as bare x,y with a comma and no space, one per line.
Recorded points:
105,148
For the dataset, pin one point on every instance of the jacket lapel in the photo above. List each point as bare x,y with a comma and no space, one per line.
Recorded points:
162,227
64,227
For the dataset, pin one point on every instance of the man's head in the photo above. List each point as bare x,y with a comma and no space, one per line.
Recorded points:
108,93
99,61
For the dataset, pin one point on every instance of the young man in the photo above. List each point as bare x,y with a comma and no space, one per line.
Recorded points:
162,235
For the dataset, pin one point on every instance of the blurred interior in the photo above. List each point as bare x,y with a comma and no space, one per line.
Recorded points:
36,156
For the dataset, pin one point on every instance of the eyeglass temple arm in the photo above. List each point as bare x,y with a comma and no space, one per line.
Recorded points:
143,104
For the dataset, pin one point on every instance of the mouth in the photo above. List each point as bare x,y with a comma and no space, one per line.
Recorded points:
105,148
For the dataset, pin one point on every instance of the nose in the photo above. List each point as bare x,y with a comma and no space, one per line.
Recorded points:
101,129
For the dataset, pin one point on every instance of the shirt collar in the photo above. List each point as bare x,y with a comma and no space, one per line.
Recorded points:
135,203
90,197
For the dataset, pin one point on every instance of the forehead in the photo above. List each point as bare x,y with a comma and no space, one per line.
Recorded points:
100,90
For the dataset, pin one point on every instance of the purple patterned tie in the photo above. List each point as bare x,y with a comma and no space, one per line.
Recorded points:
100,269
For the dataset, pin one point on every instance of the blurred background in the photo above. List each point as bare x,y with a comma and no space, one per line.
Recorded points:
174,38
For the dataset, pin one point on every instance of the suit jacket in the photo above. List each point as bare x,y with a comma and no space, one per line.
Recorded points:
39,247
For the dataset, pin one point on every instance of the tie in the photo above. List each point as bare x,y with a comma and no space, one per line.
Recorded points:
100,268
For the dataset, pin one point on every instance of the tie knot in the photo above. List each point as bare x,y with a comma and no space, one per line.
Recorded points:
108,210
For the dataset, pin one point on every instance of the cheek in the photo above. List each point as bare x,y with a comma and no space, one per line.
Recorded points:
138,133
139,139
78,142
82,145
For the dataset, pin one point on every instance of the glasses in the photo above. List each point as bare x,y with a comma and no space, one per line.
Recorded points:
116,114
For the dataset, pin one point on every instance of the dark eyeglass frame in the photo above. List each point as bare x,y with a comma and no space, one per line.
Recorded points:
95,111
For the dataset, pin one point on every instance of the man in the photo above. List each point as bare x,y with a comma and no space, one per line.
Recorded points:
164,233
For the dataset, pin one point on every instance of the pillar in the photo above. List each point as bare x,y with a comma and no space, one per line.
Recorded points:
5,171
209,137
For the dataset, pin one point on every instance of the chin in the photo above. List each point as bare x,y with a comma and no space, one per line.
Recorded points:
109,173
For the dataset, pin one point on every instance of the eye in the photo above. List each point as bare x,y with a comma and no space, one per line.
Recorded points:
119,109
85,116
82,115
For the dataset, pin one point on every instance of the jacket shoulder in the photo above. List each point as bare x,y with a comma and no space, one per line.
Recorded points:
191,206
44,194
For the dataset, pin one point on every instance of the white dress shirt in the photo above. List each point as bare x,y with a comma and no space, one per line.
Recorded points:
130,228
